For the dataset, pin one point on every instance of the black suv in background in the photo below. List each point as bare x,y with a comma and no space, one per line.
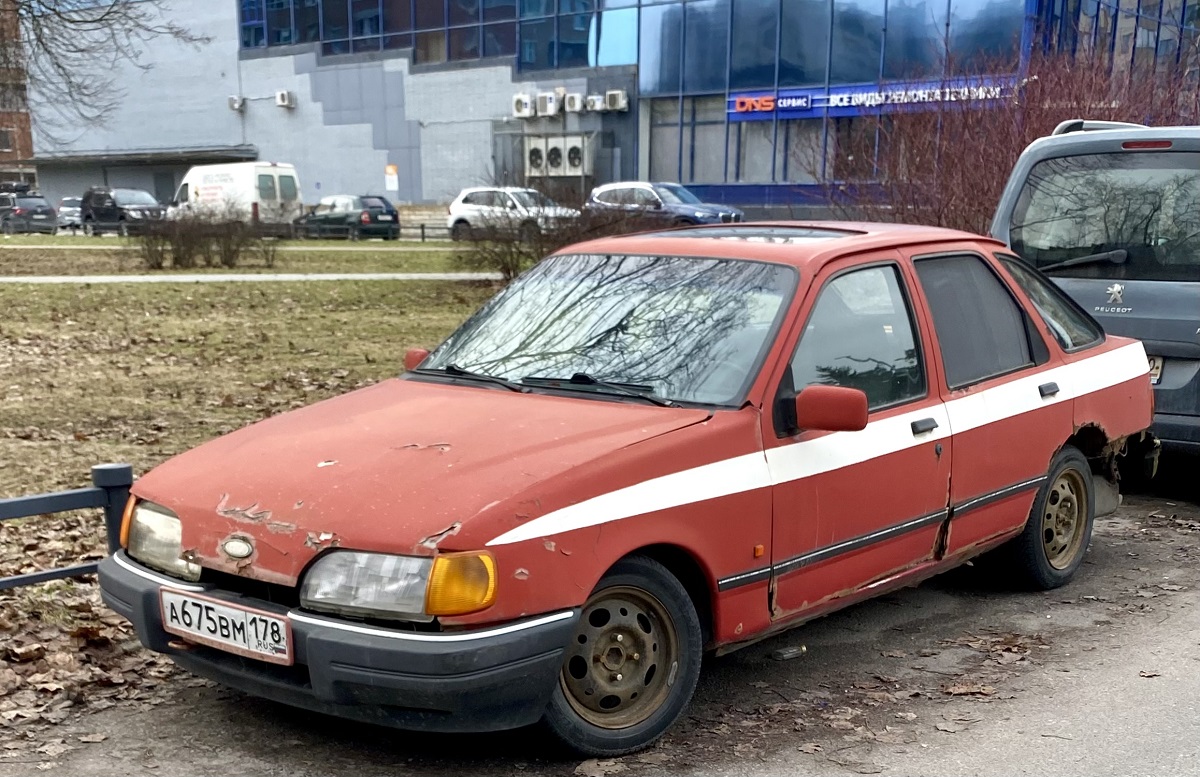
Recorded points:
122,211
22,210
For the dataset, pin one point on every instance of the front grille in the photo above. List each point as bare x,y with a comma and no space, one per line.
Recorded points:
285,596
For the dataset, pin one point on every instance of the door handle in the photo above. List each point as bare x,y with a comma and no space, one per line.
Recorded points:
923,426
1048,389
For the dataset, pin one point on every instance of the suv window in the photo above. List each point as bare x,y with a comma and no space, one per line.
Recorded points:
1073,328
611,197
287,189
32,202
981,328
6,202
482,199
266,187
1147,203
375,202
860,335
643,198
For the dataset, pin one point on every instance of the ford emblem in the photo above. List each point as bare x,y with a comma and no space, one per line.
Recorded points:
237,548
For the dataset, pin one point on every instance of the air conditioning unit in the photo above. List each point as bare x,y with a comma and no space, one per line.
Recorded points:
556,156
285,99
573,103
522,107
548,104
535,156
616,100
595,102
237,103
580,154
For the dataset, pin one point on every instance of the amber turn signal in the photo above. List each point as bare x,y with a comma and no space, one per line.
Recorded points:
126,519
461,583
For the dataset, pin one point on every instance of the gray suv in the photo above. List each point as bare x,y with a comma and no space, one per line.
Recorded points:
1112,213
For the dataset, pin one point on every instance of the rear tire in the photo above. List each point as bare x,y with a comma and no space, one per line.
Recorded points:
460,231
529,232
89,229
1048,553
8,228
632,666
123,229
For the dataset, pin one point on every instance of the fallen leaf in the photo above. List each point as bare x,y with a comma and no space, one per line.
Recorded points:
906,716
54,749
24,653
969,689
760,684
91,739
949,728
894,654
598,768
810,747
841,725
1170,587
1144,673
653,758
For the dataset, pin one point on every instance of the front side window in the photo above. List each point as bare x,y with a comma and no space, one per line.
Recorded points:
126,197
1143,203
288,191
1072,327
645,198
32,202
682,329
531,198
861,335
676,195
266,187
980,327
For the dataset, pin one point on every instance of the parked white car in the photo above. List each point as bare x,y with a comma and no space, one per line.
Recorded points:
525,212
247,191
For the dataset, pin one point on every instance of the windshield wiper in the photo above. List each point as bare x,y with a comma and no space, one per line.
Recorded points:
1119,256
636,390
454,371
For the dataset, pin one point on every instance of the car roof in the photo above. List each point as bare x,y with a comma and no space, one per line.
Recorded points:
1188,139
802,244
471,189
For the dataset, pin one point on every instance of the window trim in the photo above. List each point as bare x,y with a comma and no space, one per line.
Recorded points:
1007,259
1030,328
780,395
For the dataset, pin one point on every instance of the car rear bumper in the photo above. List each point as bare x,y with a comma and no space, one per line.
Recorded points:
486,680
1177,432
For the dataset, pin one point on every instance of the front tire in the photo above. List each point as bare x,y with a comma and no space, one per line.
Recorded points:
529,232
8,228
633,664
123,229
1050,550
460,231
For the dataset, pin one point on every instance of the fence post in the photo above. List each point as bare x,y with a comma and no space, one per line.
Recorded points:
116,480
422,232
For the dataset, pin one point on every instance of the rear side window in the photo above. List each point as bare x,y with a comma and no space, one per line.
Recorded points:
375,202
183,193
32,202
266,187
287,189
1146,203
981,328
1073,328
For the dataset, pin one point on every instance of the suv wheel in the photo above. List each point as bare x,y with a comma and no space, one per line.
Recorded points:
123,229
460,231
89,229
8,227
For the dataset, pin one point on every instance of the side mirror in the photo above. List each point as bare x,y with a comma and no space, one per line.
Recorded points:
414,357
831,409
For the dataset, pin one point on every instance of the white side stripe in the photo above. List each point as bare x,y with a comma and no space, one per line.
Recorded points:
841,449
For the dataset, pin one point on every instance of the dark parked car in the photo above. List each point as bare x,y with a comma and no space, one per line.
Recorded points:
104,209
68,212
670,202
26,212
352,217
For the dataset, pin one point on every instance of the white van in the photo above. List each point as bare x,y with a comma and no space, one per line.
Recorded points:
246,191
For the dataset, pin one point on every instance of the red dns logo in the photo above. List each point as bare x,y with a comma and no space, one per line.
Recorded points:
754,104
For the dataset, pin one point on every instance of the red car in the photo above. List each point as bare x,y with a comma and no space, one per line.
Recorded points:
643,449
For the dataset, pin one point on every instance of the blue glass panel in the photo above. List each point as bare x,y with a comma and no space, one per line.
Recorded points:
397,16
308,20
706,45
535,46
465,43
533,8
253,36
499,10
659,49
464,12
500,40
914,46
335,20
279,23
755,36
804,42
614,38
576,6
857,41
985,32
365,20
366,44
252,11
574,35
431,14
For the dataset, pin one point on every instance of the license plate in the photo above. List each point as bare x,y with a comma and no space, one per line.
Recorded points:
385,218
1156,365
39,215
240,630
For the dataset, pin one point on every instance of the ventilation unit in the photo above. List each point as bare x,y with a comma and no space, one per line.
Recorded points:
574,103
616,100
285,99
579,156
535,156
548,104
595,102
237,103
522,106
556,156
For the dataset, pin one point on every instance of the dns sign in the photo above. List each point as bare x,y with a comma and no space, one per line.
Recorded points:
755,104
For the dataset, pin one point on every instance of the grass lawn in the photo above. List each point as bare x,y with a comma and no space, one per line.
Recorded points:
98,258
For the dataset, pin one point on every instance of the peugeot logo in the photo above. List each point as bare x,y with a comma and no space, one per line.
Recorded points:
236,547
1114,294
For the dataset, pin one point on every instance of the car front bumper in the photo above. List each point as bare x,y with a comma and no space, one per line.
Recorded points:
485,680
1177,432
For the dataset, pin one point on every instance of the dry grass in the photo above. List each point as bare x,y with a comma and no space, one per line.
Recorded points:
137,373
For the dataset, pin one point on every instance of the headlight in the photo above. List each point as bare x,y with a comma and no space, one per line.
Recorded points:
411,588
133,214
155,538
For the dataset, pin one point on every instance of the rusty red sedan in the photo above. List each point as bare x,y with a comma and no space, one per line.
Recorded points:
643,449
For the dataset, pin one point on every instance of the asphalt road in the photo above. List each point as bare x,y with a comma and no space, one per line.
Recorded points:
958,676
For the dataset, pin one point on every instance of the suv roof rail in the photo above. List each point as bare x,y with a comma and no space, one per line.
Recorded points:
1086,125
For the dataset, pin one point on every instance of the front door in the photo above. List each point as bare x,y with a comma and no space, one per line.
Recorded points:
852,508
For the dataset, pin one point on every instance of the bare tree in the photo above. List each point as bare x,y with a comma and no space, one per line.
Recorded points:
58,57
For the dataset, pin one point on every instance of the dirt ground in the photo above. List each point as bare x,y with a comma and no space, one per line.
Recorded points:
921,681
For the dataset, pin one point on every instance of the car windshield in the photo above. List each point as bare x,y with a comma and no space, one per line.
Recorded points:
532,199
1146,204
32,202
676,195
70,202
133,197
692,330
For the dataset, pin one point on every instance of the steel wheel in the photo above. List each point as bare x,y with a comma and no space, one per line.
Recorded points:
620,666
1063,519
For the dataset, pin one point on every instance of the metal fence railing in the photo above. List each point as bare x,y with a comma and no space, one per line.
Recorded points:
109,491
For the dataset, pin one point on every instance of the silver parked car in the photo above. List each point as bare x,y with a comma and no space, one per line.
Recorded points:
525,212
68,212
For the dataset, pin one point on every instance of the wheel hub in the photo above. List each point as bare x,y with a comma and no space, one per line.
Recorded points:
1064,519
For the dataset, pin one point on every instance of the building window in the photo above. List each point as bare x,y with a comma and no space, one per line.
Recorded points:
7,139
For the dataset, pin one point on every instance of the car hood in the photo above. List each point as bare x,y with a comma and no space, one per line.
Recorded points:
702,207
398,467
